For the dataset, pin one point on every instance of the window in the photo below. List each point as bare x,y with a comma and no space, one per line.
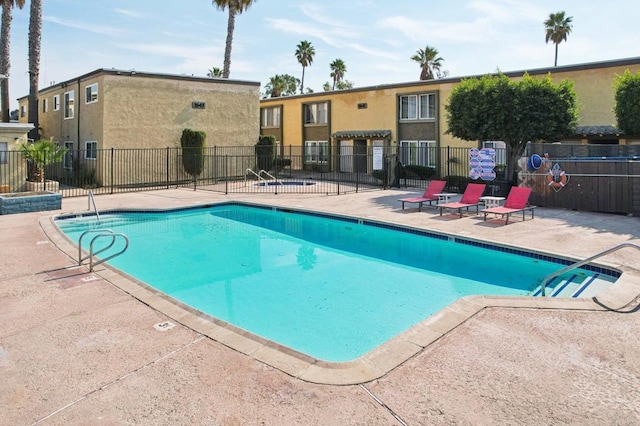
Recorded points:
45,105
418,107
56,102
271,117
315,113
420,153
500,148
68,104
91,93
68,156
4,146
316,151
23,110
91,150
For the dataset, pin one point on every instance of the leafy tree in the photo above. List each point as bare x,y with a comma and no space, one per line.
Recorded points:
5,47
627,106
281,85
338,70
430,62
192,143
516,112
214,73
557,28
304,55
340,85
35,40
235,7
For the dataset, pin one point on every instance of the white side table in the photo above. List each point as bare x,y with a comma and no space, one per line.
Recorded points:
490,202
444,197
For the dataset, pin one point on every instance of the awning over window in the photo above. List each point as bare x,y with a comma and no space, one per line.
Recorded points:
362,134
598,131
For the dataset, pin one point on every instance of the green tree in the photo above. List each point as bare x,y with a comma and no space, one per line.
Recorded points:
5,47
557,28
304,54
235,7
430,62
516,112
340,85
281,85
35,40
192,143
214,73
39,154
338,70
265,152
627,102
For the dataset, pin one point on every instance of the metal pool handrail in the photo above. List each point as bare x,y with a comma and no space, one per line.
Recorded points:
91,199
100,233
549,277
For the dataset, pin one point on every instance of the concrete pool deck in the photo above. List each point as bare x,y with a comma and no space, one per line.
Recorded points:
75,348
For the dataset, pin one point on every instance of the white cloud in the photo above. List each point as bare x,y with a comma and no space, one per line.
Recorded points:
98,29
131,13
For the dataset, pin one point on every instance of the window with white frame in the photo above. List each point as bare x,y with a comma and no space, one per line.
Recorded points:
418,107
45,105
91,93
68,104
91,150
4,147
56,102
316,151
420,153
271,117
67,162
500,148
315,113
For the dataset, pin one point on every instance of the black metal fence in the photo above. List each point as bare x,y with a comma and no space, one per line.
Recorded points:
599,177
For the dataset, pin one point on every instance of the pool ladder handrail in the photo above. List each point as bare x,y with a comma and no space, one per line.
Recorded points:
546,280
259,175
100,233
92,200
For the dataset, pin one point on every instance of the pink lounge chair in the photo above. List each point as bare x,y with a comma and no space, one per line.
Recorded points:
517,201
470,198
435,187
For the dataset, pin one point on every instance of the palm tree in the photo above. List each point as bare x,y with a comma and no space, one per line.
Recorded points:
557,28
35,36
214,72
5,42
430,62
338,69
304,54
235,7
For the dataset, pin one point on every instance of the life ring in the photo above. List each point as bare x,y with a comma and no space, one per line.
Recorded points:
556,178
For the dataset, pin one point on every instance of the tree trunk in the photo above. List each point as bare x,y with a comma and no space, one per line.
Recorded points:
302,81
555,62
231,24
5,42
35,36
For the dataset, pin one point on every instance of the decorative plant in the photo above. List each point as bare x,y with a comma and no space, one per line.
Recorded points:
192,143
265,152
38,155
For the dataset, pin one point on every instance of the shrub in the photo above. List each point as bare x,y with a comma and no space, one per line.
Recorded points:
458,183
192,143
420,172
265,151
281,163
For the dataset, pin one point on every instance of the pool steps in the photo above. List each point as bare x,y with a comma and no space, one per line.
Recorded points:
577,285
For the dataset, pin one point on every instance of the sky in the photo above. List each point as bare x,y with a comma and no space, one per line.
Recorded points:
374,38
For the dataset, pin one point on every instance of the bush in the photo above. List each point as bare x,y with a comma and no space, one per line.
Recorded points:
192,143
380,175
413,171
265,151
281,163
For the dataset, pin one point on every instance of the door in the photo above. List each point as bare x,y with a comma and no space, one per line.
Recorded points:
360,156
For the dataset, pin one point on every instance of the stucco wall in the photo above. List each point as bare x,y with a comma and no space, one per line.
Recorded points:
143,112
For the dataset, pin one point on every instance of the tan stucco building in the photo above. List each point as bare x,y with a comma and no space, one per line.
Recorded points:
412,115
129,109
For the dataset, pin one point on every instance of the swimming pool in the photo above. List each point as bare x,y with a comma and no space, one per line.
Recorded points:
331,288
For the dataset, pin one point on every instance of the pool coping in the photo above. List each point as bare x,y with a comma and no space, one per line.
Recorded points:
375,363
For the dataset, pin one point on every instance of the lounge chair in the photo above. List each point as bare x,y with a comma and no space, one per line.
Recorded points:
435,187
517,201
470,198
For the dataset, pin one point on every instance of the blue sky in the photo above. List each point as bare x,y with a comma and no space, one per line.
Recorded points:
375,38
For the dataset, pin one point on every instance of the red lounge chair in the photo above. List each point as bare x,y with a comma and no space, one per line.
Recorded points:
435,187
516,202
470,198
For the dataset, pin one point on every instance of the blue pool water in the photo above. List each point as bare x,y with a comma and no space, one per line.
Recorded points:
332,289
